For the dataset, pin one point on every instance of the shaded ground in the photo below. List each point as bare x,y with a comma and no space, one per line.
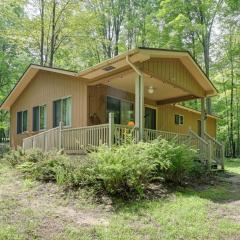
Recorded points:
31,210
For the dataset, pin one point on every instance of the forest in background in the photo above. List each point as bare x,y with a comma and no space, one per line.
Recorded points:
74,34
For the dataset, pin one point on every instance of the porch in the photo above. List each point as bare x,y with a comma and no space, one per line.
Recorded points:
84,139
141,78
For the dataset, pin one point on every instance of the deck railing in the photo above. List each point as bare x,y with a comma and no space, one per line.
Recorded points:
200,144
79,140
46,141
216,150
83,139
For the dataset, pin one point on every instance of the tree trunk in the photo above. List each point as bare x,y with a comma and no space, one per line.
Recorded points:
52,46
42,33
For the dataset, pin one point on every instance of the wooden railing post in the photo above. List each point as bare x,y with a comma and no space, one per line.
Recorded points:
209,153
111,129
45,142
223,156
60,136
34,142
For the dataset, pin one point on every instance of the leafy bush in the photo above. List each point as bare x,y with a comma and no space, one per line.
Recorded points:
183,161
124,169
14,157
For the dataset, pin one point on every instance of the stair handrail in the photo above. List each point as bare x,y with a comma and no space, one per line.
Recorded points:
198,137
213,139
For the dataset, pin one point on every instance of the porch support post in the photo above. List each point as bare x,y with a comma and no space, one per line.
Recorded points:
139,104
203,112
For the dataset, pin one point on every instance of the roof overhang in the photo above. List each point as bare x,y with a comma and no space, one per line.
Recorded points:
116,65
25,79
195,111
136,56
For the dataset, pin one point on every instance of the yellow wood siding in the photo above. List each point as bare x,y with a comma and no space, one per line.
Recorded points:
166,120
44,89
174,72
165,113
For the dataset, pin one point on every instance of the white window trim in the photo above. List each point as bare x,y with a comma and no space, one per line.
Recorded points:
180,115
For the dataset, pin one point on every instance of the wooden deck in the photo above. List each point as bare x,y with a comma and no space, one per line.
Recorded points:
84,139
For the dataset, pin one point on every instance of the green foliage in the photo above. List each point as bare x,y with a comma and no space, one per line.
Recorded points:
124,170
131,167
183,162
14,157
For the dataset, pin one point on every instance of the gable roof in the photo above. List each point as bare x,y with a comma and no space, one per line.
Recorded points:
119,62
26,78
142,54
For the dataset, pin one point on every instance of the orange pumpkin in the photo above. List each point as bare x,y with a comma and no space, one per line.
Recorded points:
131,124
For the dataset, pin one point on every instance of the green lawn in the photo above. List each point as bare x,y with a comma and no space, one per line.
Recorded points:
210,212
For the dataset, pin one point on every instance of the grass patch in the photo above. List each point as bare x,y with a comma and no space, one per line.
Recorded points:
232,165
183,216
10,233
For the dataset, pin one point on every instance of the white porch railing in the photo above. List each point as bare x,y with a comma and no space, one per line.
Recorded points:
46,141
79,140
216,150
82,139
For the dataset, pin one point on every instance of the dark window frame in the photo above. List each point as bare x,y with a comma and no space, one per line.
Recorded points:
117,119
55,122
36,126
22,121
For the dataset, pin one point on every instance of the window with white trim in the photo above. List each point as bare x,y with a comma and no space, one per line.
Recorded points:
178,119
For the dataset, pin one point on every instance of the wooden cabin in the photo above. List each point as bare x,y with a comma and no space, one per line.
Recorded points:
143,86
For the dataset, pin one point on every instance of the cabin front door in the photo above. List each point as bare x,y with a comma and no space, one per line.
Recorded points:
150,118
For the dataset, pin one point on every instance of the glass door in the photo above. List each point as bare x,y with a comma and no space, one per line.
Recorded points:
150,118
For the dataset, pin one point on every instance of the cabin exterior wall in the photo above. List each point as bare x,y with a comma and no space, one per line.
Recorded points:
165,121
44,88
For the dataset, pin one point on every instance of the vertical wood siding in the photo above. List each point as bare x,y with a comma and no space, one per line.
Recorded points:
174,72
165,113
166,120
44,89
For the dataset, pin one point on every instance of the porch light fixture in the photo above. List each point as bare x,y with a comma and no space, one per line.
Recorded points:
150,90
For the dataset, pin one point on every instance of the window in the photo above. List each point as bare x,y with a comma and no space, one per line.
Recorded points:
21,122
62,112
178,119
39,118
123,110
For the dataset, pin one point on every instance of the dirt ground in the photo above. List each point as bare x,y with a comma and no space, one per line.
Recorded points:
47,204
44,210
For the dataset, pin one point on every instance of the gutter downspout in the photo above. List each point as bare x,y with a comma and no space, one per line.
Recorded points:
135,68
139,98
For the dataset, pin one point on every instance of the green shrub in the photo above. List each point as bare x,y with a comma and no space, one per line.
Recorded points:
77,174
125,169
183,162
50,167
14,157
